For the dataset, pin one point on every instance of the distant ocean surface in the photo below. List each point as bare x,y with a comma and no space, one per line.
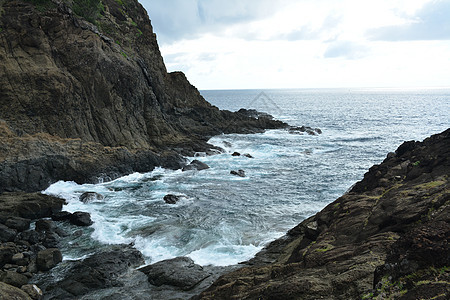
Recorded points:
226,219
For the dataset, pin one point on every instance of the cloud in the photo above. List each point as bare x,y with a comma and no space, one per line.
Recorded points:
345,49
188,19
432,22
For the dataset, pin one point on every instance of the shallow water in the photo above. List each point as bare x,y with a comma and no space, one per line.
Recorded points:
226,219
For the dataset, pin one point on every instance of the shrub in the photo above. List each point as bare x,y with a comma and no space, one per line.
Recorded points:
88,9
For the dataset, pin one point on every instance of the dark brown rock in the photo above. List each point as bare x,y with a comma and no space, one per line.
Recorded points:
33,291
240,173
80,218
48,258
17,223
180,272
172,199
29,206
196,165
13,278
8,292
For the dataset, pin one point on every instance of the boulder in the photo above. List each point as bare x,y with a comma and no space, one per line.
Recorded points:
8,292
80,218
48,258
61,216
180,272
240,173
7,251
13,278
45,226
172,199
7,234
18,223
31,236
101,270
19,259
29,206
195,165
248,155
236,154
88,197
33,291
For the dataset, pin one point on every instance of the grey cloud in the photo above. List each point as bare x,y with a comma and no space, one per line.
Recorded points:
345,49
432,22
187,19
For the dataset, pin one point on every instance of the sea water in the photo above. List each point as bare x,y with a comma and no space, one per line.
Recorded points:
223,219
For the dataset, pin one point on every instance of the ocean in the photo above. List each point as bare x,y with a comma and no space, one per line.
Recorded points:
225,219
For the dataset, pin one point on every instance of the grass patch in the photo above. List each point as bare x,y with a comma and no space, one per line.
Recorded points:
325,248
429,185
42,5
124,54
88,9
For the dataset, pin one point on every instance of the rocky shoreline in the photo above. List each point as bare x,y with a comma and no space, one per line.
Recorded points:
67,113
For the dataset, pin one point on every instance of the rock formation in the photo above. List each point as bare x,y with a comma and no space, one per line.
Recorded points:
84,94
387,237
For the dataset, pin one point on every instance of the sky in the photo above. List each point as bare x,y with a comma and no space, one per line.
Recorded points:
255,44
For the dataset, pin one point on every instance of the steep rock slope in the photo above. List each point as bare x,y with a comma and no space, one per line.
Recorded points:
83,87
387,237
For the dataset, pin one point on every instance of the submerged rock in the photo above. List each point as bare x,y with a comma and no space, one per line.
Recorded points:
240,173
195,165
173,199
88,197
180,272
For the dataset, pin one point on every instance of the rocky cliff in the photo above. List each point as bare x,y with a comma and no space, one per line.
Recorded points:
387,238
84,93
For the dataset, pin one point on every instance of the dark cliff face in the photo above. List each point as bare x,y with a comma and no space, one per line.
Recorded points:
102,86
387,237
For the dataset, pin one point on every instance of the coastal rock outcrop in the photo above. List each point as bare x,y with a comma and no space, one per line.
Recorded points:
387,237
85,96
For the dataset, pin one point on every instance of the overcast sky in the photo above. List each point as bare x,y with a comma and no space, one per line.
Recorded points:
240,44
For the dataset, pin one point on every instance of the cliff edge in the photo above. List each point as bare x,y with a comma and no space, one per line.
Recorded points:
387,238
84,93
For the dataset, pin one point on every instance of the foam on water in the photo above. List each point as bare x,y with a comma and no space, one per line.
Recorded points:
225,219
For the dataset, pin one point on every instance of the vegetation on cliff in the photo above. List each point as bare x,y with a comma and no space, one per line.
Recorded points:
84,93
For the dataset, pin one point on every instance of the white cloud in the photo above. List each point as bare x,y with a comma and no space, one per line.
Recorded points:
286,43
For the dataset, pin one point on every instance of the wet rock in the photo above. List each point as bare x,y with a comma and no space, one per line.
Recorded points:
7,251
19,259
7,234
13,278
33,291
31,236
51,240
29,206
80,218
180,272
240,173
100,270
45,226
9,292
88,197
172,199
20,224
48,258
195,165
248,155
61,216
236,154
